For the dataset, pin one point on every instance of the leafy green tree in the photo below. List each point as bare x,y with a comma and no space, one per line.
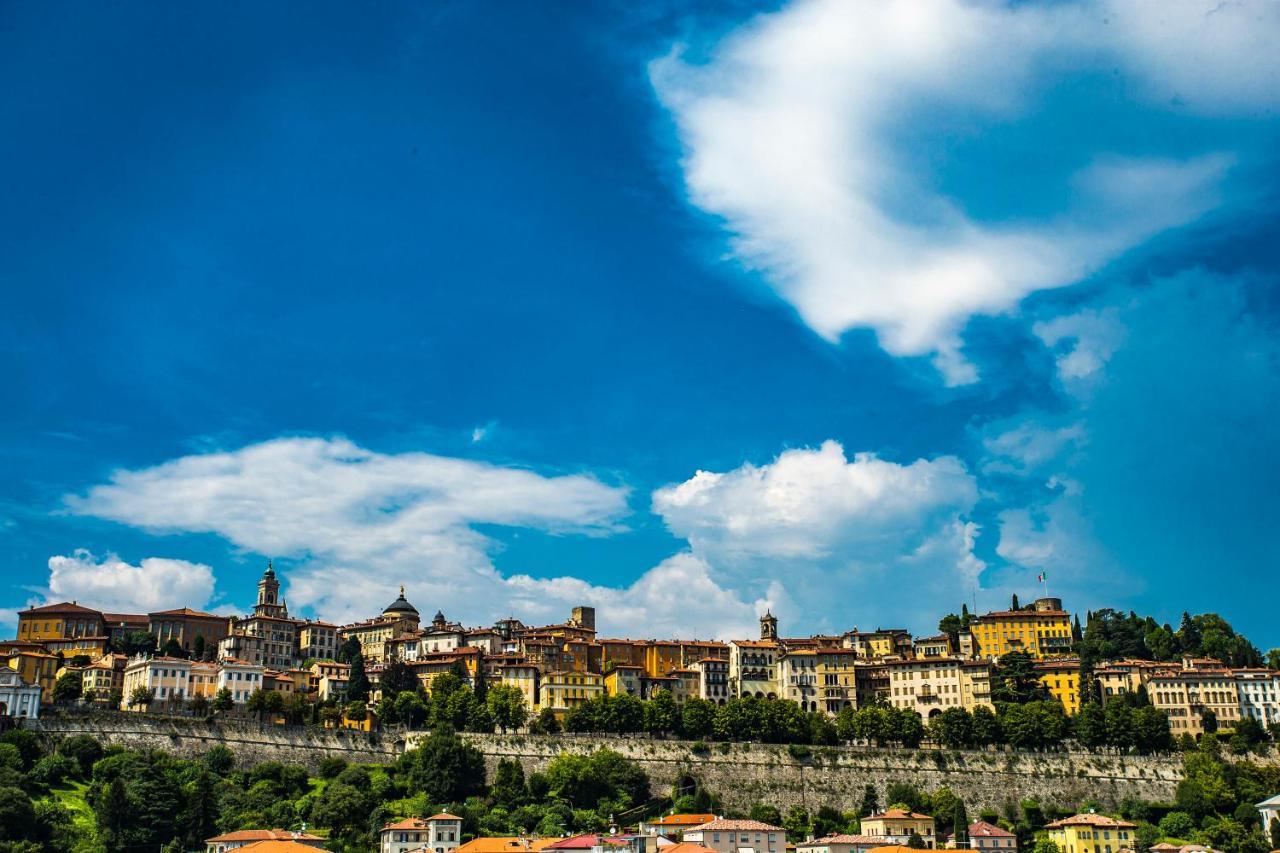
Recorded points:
905,795
344,809
1015,679
1090,725
222,700
1177,825
906,727
84,750
220,760
200,815
444,768
796,823
545,723
986,727
765,813
507,706
738,719
17,814
915,842
1208,721
1045,845
509,788
952,728
661,713
68,688
782,721
141,697
697,718
397,678
623,713
960,822
584,780
113,812
870,803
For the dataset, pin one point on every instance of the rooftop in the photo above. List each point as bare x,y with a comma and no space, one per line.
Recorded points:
1090,819
738,825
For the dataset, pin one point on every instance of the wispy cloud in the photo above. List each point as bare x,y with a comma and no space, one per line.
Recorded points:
798,133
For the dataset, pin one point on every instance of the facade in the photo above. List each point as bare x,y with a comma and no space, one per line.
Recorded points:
18,698
524,678
167,678
1043,631
713,679
753,668
104,677
623,678
561,691
932,647
58,622
240,678
1186,694
244,837
1116,678
896,826
184,624
879,644
317,640
1062,679
400,617
820,679
930,686
1091,833
1258,691
673,825
35,666
441,833
738,836
989,837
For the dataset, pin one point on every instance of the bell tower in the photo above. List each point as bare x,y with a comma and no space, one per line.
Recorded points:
269,603
768,626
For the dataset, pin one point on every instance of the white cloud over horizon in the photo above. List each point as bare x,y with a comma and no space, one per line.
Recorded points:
790,136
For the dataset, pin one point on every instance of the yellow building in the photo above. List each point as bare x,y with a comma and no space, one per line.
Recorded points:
662,656
104,677
820,679
879,644
1043,631
1091,833
897,826
1062,678
624,678
1119,677
1184,695
40,668
167,678
930,686
524,677
202,680
400,617
561,691
59,621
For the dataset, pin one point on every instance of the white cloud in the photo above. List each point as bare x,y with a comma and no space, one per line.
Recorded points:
827,539
1027,446
112,585
358,522
791,135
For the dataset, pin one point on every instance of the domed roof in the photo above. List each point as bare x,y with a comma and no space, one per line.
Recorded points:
270,572
400,605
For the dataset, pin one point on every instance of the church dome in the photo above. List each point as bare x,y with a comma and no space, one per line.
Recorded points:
400,607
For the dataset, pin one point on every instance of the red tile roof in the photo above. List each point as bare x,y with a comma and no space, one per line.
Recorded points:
263,835
988,830
723,825
1090,820
61,607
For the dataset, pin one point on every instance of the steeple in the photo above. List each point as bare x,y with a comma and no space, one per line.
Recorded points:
768,626
269,601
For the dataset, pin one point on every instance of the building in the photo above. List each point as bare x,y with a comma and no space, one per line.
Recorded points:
561,691
33,665
18,698
930,686
1043,631
1091,833
753,664
841,844
184,625
1258,691
938,646
506,844
989,837
440,833
244,837
1116,678
59,621
523,677
822,678
624,678
879,644
713,676
167,678
1186,695
317,640
104,677
896,826
400,617
1268,810
240,678
1061,677
738,836
672,825
118,626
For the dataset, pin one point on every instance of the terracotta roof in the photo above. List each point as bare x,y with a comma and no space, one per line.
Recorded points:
1090,820
507,844
1025,614
186,611
898,814
756,644
988,830
419,822
262,835
136,618
582,842
61,607
843,839
278,847
891,848
738,826
683,820
686,847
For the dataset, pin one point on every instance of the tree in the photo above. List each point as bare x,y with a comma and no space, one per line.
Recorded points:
765,813
661,713
199,705
357,681
623,713
397,678
1013,604
509,789
444,768
960,822
141,697
343,808
1045,845
256,703
222,700
906,727
68,688
952,728
173,649
796,823
697,718
507,706
914,841
356,712
84,750
220,760
1090,725
545,723
986,727
112,812
870,803
197,647
585,780
410,710
1209,721
201,813
1177,825
1016,680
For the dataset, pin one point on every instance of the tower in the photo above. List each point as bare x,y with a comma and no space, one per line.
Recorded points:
768,626
269,603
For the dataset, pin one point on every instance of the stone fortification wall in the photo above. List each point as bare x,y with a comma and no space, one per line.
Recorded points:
740,774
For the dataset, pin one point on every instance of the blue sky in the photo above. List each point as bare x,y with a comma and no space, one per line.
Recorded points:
854,311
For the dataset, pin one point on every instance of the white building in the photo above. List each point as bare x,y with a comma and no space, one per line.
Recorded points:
17,698
713,678
240,677
738,836
440,833
168,679
1268,810
1259,692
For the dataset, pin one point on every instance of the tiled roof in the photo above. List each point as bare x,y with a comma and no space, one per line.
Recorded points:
262,835
723,825
61,607
186,611
582,842
988,830
282,846
419,822
1100,820
686,847
898,814
507,844
683,820
843,839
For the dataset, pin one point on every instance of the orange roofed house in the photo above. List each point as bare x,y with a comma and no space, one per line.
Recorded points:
673,825
506,844
440,833
1091,833
898,825
245,838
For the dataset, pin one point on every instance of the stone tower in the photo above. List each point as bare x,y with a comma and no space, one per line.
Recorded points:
768,626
